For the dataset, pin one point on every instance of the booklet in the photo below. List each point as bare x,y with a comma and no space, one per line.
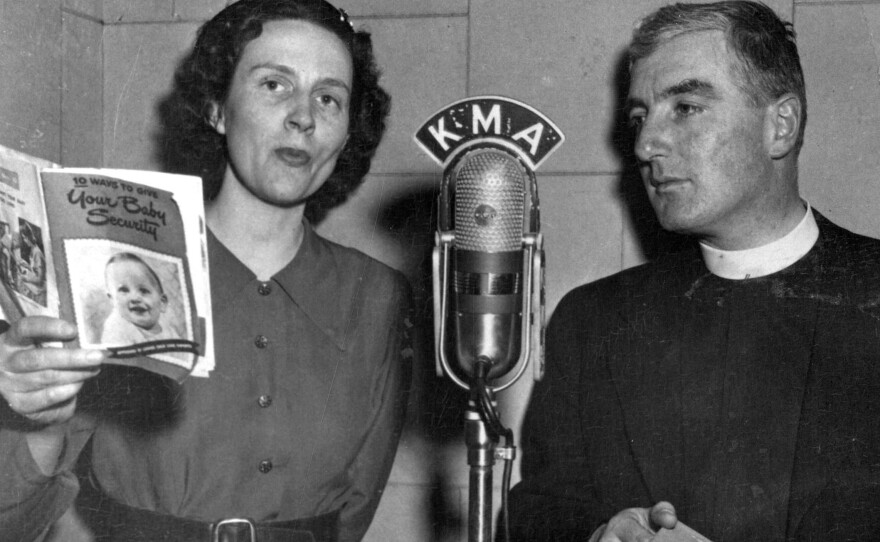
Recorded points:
120,253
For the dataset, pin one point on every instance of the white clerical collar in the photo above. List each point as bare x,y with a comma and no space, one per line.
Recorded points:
764,260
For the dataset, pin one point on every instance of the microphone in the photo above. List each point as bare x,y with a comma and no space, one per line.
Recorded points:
486,193
489,247
488,258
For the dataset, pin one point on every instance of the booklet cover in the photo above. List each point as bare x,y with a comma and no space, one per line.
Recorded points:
120,253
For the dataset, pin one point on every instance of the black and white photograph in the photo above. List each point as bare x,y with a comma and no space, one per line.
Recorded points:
478,271
124,295
30,277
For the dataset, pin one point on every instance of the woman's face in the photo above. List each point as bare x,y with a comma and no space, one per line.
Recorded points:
286,115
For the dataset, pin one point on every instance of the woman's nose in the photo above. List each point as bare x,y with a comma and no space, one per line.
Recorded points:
301,117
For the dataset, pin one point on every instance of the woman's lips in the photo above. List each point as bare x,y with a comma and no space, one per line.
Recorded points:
293,157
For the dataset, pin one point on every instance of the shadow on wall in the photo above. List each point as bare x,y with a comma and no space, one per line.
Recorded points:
437,405
175,144
652,239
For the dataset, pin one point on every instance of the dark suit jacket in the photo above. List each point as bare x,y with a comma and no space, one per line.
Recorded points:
603,430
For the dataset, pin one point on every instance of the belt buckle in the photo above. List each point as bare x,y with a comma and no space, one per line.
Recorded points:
218,527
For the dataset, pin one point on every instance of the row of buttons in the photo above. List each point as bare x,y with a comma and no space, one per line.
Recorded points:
261,341
265,401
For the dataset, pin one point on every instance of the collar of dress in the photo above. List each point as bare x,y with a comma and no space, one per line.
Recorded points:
767,259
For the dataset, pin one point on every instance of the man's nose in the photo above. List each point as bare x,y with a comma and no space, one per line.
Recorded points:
652,139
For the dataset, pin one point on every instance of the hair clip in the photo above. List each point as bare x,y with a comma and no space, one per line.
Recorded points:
343,16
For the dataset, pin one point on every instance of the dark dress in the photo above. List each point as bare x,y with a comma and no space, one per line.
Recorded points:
300,417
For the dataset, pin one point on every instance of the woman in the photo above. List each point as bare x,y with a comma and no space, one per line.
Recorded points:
297,426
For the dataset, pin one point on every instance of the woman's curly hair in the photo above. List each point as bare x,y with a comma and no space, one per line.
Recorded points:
203,79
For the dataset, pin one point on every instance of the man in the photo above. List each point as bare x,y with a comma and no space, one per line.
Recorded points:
732,387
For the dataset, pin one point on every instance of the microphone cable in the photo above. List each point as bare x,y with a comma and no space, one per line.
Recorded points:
481,395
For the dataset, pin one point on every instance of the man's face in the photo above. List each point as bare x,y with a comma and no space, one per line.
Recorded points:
286,116
701,144
135,293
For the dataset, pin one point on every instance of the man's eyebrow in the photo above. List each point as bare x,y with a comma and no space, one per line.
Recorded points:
691,86
687,86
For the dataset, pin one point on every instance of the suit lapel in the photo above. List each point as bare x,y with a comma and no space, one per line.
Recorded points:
651,404
812,472
644,364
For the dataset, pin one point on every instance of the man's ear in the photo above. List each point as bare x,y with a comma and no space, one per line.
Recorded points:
164,305
783,125
216,118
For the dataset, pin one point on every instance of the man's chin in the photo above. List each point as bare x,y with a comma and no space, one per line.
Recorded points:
676,223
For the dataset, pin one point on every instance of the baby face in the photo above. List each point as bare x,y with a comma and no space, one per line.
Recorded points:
135,293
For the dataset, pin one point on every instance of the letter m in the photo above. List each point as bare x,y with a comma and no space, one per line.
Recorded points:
479,121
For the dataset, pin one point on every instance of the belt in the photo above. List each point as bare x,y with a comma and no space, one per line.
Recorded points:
126,524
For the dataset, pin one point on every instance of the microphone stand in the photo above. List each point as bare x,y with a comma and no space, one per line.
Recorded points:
482,424
482,431
481,459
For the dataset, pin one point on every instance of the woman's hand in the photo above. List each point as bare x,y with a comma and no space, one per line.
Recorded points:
41,383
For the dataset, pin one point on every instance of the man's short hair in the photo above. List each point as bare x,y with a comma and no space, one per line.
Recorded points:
768,64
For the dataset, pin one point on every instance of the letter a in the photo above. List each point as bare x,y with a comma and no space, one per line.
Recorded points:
532,134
